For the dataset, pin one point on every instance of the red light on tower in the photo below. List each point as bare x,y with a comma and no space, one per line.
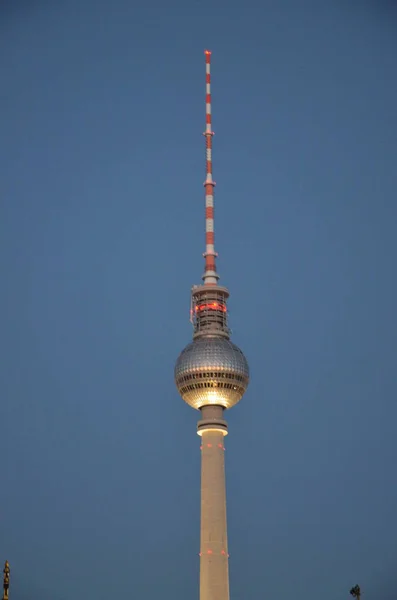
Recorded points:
211,306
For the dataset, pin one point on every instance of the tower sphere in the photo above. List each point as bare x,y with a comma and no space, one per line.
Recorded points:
211,371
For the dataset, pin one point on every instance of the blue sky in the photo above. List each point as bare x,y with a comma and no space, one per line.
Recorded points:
101,235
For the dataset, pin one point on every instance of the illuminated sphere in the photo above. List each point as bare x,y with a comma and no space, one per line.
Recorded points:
211,370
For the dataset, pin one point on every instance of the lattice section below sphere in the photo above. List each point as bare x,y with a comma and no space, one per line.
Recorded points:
211,370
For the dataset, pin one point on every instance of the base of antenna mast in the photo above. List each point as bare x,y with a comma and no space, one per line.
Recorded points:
209,310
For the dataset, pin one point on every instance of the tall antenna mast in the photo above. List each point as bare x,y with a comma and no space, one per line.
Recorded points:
208,310
210,276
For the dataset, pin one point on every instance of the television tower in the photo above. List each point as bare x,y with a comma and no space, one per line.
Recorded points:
211,375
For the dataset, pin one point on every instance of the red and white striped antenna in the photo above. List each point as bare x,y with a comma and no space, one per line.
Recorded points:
210,276
208,309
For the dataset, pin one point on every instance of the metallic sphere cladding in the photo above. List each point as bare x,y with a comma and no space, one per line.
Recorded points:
211,371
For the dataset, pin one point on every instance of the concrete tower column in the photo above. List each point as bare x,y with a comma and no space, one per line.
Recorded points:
214,567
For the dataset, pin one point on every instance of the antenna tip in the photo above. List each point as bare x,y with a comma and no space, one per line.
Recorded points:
207,51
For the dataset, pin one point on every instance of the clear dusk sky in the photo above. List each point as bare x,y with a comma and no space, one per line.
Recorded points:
101,235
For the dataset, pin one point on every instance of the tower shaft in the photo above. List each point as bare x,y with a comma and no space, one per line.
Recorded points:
214,557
